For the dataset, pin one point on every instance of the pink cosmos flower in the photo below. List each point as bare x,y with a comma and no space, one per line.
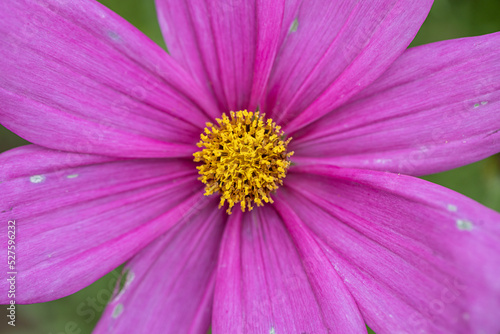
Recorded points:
352,236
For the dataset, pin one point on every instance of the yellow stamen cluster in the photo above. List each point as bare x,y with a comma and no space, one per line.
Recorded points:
244,159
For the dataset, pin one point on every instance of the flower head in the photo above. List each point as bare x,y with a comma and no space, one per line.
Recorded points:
341,233
245,159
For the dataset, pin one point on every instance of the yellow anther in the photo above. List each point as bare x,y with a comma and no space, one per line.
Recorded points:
244,159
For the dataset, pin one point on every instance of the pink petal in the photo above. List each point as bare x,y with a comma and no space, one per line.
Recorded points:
267,285
77,77
171,280
417,257
334,50
435,109
228,46
80,216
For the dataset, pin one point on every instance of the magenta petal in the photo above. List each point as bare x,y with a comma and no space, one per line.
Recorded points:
436,108
265,286
334,50
77,77
229,46
171,281
417,257
80,216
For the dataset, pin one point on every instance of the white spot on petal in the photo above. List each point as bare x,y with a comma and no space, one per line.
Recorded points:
464,225
295,25
37,178
452,208
129,278
117,311
483,103
102,14
72,176
272,331
114,36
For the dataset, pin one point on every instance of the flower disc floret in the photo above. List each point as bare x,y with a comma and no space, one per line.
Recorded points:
244,159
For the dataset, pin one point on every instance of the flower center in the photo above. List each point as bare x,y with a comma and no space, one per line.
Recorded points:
244,159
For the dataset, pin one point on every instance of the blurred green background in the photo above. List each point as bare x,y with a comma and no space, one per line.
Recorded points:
448,19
